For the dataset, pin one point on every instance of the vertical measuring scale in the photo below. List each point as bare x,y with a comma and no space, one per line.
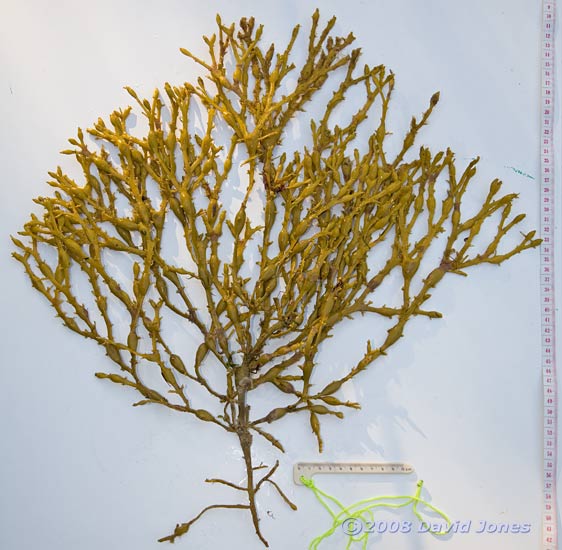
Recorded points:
548,312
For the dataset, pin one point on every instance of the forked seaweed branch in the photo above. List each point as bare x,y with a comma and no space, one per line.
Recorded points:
329,207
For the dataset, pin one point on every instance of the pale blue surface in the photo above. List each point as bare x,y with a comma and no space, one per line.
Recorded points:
459,398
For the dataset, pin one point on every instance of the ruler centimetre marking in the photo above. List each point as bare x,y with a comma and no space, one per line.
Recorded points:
548,312
308,469
547,281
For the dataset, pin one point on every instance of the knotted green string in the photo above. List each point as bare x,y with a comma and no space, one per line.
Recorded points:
364,511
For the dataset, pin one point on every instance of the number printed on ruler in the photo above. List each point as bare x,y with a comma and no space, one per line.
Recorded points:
549,516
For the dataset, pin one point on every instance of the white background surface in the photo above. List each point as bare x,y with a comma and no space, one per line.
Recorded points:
459,398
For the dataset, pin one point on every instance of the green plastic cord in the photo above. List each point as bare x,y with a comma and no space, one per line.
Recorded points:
363,511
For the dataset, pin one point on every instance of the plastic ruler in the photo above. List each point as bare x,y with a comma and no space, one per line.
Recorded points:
548,312
308,469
